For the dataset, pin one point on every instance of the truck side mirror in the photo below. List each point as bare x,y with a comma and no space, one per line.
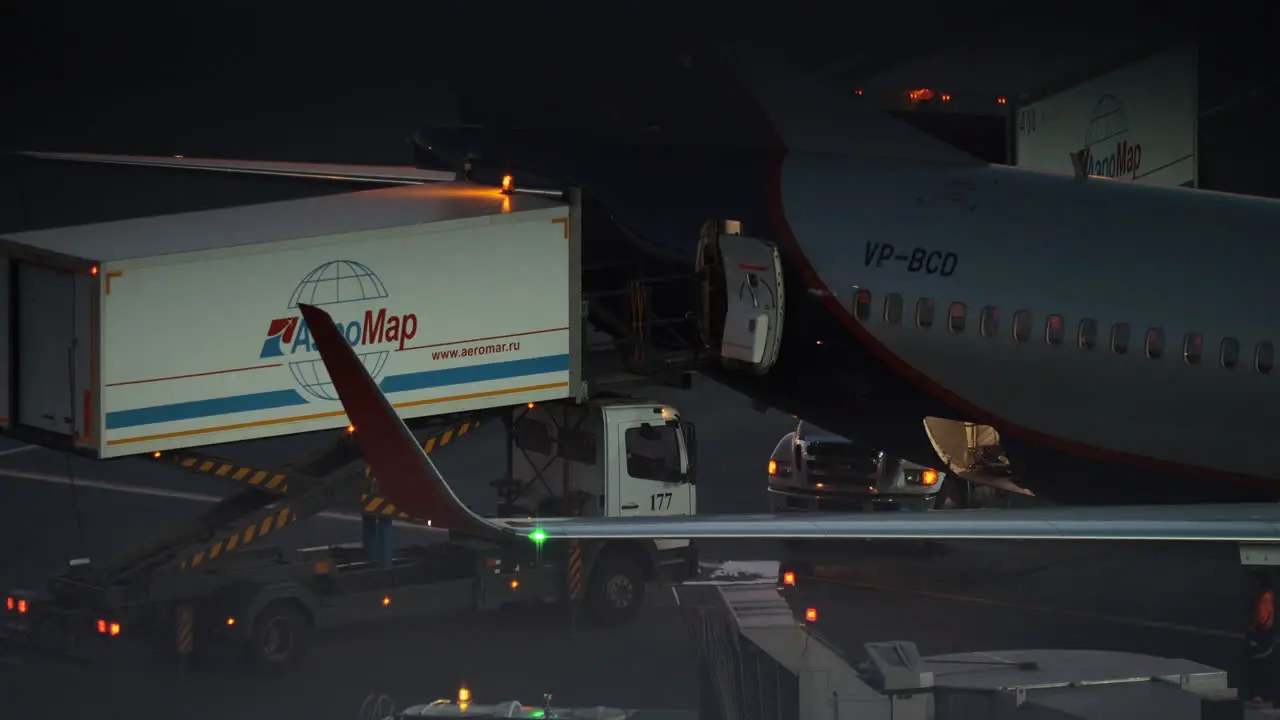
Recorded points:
691,450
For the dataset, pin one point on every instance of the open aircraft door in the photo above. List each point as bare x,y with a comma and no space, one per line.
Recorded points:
743,297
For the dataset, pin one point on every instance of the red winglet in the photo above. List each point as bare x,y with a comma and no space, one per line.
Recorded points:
406,476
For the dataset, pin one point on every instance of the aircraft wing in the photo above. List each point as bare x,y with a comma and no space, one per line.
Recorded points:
407,477
1223,523
381,174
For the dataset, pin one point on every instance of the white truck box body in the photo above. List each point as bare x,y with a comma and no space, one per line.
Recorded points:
1138,123
186,329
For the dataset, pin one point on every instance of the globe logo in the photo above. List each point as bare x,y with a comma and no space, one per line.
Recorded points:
1108,121
1107,151
331,286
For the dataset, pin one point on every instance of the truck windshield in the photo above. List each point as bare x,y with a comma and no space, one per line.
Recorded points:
653,453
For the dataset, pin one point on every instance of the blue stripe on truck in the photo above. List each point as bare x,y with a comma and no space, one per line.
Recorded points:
254,402
474,373
193,409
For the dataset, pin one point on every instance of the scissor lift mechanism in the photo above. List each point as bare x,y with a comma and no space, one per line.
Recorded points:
222,551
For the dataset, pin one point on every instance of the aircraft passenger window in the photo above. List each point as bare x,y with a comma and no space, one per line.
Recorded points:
1053,330
989,322
862,305
1229,353
924,313
653,453
1155,343
893,308
1264,358
1120,338
1192,348
1087,336
955,317
1022,326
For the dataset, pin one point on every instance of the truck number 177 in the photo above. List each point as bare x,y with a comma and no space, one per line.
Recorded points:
660,501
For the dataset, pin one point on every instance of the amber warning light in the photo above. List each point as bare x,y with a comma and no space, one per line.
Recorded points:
789,578
508,183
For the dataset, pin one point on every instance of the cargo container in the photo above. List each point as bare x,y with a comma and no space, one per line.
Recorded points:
1138,122
183,330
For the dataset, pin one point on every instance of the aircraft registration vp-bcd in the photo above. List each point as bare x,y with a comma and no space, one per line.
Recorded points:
1117,339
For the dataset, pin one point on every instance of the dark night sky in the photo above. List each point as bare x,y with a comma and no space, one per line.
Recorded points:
348,82
182,73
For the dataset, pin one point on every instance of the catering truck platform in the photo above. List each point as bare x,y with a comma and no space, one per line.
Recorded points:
154,336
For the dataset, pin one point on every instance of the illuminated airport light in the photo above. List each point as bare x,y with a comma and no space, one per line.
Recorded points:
386,601
508,183
538,536
464,695
811,615
789,578
515,584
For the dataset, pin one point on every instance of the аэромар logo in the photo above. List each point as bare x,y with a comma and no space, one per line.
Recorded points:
373,330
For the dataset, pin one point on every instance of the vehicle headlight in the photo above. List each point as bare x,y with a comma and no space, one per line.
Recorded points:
925,476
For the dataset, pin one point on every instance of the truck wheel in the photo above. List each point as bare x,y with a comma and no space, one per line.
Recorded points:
279,635
616,591
954,495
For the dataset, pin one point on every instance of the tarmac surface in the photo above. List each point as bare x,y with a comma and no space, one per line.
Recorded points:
1163,600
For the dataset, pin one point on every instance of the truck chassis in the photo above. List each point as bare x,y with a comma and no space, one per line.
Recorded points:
213,581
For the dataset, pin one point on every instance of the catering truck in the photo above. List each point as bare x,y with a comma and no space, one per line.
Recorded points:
1137,123
154,336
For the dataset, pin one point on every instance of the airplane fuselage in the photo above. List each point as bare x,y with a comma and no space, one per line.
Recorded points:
1118,336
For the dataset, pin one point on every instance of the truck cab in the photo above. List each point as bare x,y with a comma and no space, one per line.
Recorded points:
610,456
813,470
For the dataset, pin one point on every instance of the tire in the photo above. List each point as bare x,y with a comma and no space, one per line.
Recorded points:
279,636
954,495
616,590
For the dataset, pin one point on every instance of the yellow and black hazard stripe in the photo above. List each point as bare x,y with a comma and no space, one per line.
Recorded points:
375,505
575,570
444,438
259,528
186,629
252,476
